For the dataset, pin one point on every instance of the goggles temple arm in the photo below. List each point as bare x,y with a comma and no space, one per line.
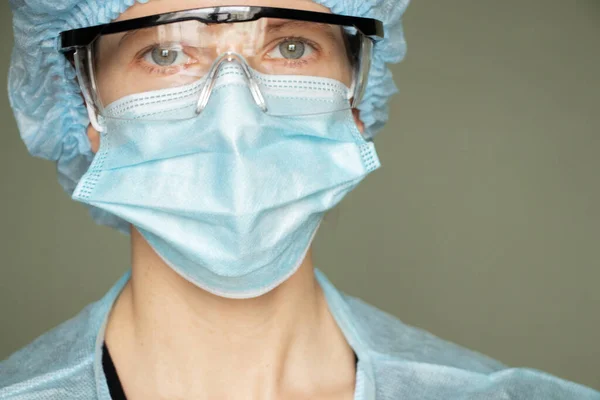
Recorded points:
83,69
359,83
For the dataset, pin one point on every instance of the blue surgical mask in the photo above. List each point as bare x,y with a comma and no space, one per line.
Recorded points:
231,198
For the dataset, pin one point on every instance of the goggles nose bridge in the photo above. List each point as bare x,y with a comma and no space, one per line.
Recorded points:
211,80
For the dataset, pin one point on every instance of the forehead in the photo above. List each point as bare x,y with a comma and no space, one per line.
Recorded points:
164,6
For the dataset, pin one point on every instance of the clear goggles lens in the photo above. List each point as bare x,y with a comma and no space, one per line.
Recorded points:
181,54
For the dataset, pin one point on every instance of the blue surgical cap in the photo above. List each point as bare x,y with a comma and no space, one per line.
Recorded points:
49,107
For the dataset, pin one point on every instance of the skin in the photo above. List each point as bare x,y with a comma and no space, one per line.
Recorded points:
172,340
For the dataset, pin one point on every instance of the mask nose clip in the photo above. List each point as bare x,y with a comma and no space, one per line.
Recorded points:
226,58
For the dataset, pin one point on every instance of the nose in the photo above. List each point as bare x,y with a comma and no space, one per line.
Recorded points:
226,59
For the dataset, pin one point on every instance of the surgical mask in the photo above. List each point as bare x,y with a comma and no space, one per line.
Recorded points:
231,198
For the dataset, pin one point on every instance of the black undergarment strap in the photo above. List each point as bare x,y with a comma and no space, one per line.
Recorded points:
112,379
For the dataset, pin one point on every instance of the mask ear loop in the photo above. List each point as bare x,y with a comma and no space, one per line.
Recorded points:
83,69
211,81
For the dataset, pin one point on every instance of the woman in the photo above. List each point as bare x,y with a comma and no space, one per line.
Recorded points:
220,134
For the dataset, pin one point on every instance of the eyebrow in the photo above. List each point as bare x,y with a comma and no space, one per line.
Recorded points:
274,27
126,35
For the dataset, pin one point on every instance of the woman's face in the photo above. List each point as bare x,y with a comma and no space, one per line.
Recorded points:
116,79
179,54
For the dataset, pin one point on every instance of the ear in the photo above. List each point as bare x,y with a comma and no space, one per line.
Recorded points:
359,124
94,138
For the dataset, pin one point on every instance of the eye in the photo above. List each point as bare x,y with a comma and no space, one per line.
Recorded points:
166,57
291,49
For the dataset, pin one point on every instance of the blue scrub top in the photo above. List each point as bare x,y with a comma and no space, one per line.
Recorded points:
395,361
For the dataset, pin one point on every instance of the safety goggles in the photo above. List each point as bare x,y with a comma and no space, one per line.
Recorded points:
189,48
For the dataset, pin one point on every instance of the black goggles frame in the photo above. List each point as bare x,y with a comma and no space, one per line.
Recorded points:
83,37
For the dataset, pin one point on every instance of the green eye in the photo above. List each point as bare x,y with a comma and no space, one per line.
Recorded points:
292,49
164,57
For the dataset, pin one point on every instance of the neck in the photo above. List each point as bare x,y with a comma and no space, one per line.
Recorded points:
171,339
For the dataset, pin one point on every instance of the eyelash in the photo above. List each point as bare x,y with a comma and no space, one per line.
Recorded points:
155,69
295,63
287,62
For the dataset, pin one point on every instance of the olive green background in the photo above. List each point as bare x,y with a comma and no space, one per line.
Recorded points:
483,226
